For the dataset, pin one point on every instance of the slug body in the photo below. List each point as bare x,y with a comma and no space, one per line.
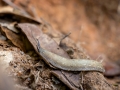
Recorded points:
70,64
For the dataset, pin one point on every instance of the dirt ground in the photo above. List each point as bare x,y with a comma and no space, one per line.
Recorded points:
94,27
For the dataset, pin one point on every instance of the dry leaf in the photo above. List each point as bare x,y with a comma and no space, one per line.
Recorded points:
6,9
14,38
13,17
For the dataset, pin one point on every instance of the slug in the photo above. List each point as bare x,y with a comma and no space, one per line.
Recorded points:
69,64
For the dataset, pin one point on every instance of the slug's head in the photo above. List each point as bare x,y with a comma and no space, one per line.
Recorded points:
38,45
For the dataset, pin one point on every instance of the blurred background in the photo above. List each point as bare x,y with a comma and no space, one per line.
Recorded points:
94,24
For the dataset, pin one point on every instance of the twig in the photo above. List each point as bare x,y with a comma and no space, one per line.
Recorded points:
64,38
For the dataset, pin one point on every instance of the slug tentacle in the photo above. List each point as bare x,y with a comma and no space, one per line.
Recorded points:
69,64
